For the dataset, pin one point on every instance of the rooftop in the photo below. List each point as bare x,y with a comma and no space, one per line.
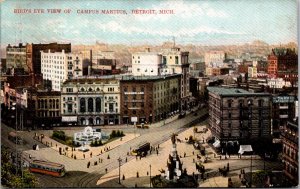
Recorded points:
131,77
222,91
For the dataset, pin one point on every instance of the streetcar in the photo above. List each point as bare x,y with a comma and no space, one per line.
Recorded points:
47,168
142,150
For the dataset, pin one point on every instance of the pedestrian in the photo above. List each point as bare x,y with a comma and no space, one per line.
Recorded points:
193,152
91,154
83,156
106,170
184,154
157,152
56,145
220,157
126,159
140,157
101,151
136,157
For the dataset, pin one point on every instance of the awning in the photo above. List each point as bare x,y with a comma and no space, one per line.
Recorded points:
69,119
217,144
245,148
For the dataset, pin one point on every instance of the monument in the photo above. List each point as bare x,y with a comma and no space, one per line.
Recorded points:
174,175
86,137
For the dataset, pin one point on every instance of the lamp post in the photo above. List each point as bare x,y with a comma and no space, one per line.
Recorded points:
250,124
119,160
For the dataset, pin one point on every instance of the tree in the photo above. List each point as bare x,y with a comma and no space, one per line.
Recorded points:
11,176
259,177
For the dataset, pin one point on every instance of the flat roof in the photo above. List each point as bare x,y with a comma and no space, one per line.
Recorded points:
223,91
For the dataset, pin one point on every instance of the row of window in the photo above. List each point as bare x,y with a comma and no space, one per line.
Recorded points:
134,97
134,89
48,113
241,103
43,103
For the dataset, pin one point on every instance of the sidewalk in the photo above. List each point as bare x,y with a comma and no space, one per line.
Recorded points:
93,151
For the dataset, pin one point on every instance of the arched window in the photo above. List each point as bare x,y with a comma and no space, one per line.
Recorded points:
82,89
98,121
90,89
98,104
42,103
50,103
57,104
82,121
90,105
91,121
82,105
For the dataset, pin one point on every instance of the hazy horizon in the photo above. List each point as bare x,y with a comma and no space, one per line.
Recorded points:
203,22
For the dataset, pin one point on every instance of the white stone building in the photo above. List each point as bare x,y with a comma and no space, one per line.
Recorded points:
91,100
213,59
146,63
59,66
177,62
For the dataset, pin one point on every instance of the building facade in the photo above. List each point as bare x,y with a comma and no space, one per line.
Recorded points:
290,152
283,109
16,57
146,63
283,63
147,99
91,101
47,108
176,61
236,114
59,66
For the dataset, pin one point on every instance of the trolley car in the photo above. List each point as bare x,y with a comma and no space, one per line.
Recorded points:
48,168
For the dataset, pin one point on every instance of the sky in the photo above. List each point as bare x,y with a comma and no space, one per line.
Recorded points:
213,22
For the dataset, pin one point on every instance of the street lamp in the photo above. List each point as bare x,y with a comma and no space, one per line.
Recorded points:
119,160
150,175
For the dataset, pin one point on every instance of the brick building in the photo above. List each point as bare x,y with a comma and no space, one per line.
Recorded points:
28,57
238,115
283,63
290,152
149,99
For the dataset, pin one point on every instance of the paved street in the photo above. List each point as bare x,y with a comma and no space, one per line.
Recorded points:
79,175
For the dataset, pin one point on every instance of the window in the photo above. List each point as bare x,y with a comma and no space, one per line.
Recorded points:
70,108
133,112
229,103
133,89
90,105
82,105
98,104
111,107
176,59
125,89
229,125
229,115
142,89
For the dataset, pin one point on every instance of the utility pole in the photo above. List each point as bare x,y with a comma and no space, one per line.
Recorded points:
119,160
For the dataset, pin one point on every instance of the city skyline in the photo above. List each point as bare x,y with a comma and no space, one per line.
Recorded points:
220,22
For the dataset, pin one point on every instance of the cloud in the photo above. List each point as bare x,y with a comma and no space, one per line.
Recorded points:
116,27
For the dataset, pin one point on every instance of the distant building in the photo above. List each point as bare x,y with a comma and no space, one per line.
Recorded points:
290,152
28,57
283,63
16,57
33,54
149,99
104,63
59,66
213,59
146,63
91,100
236,114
